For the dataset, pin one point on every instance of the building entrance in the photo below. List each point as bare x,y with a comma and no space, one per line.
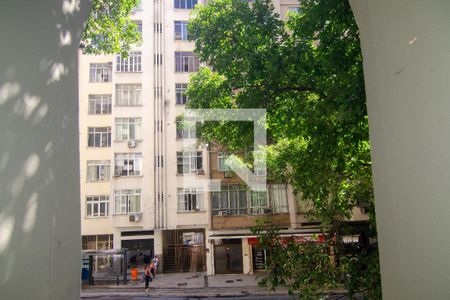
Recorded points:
184,250
228,256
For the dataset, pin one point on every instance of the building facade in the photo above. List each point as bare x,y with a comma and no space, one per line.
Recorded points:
134,168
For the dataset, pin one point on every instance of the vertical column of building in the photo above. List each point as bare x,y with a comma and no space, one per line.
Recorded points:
159,115
95,120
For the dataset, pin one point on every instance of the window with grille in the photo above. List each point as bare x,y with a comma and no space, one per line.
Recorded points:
128,128
230,200
127,201
237,199
97,206
180,93
258,202
98,170
128,94
189,162
128,164
100,104
186,62
100,72
99,137
130,64
190,199
181,30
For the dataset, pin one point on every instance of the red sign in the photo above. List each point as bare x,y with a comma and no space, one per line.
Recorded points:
253,241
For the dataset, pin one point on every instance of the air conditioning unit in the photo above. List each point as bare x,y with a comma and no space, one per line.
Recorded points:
223,213
132,144
135,217
118,173
268,211
228,175
200,172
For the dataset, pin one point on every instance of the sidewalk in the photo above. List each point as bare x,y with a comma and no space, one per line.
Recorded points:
185,285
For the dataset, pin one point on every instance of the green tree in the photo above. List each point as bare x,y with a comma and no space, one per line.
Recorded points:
307,72
109,28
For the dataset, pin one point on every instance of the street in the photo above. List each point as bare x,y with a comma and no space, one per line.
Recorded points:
329,297
202,298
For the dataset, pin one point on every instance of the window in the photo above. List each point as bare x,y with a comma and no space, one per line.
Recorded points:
189,162
139,25
231,200
138,7
97,242
186,129
221,157
258,202
130,64
128,164
127,201
99,137
128,129
190,199
128,94
98,170
293,9
180,92
100,72
97,206
186,62
185,4
278,198
100,104
181,31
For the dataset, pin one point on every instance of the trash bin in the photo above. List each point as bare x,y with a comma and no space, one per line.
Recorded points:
134,274
85,274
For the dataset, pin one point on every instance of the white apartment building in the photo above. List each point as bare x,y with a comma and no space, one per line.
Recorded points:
133,165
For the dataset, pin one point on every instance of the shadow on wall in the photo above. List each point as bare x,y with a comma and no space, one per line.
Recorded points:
39,172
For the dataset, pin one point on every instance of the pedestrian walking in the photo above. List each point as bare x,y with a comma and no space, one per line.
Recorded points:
147,273
155,262
152,269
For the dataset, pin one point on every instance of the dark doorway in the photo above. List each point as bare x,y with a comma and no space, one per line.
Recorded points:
140,252
184,250
228,256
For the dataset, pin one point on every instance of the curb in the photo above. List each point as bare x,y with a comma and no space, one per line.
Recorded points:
177,292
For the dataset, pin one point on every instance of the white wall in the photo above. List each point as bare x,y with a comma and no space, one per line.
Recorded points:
39,185
406,48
